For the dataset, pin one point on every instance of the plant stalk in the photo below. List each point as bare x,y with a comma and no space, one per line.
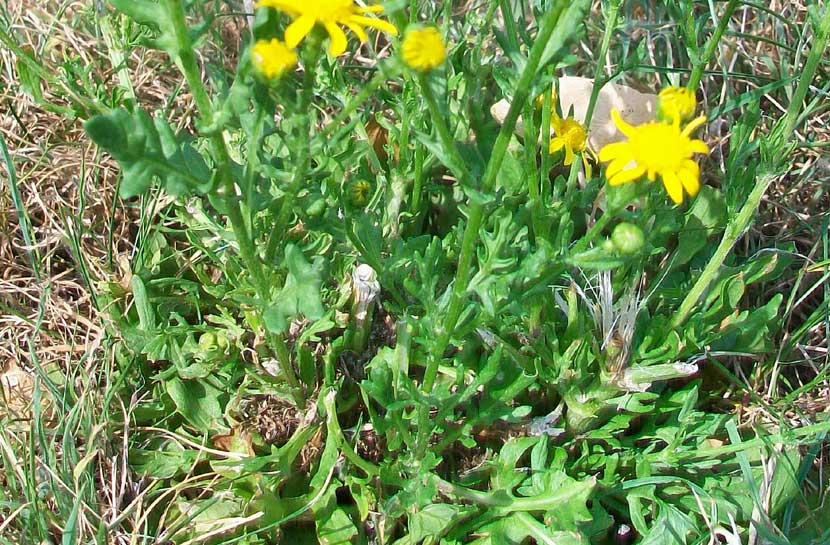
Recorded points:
476,215
711,45
736,228
599,76
304,137
247,250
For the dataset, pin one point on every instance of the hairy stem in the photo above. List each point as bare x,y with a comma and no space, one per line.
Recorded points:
247,250
475,216
711,45
736,228
314,49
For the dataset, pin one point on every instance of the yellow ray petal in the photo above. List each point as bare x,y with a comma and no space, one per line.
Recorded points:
613,151
673,186
556,144
374,8
372,22
698,146
617,165
627,175
690,180
358,31
298,30
338,42
624,127
569,155
693,124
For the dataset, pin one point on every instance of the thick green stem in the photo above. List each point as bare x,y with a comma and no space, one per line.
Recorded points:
736,228
476,214
303,138
192,73
711,46
247,250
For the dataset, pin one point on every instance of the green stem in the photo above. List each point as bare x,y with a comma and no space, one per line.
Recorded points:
476,214
361,97
593,232
314,49
822,33
447,141
531,139
277,342
711,45
599,76
192,73
247,250
418,178
740,223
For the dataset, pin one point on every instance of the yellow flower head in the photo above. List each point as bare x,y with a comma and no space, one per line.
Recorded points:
423,49
656,148
331,15
272,58
676,103
568,134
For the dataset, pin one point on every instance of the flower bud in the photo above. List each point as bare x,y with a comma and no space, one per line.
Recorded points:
272,58
627,239
676,104
423,49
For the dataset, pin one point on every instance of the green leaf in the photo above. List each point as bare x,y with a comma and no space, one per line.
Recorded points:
146,316
197,402
147,149
707,214
301,293
334,527
154,15
163,463
30,81
672,527
435,520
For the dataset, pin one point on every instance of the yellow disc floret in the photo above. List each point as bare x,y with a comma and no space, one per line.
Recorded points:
423,49
331,15
657,148
676,103
271,58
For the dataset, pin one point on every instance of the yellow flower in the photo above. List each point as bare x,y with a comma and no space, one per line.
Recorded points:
656,148
331,15
423,49
568,134
676,103
272,58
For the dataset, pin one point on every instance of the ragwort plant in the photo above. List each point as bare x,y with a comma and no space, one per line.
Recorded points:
372,314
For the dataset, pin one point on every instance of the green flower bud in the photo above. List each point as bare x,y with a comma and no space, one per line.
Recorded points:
317,208
627,238
207,341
